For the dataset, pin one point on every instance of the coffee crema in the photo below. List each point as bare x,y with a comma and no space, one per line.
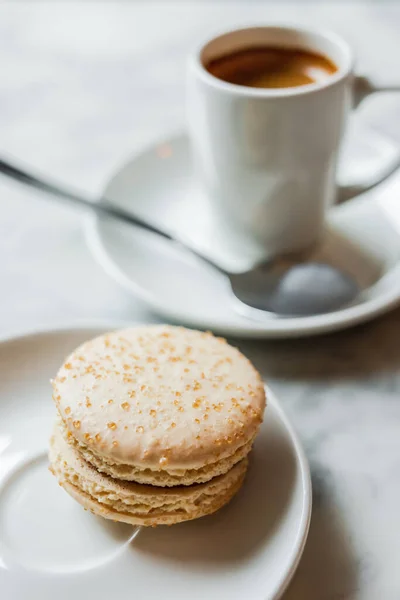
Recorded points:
271,67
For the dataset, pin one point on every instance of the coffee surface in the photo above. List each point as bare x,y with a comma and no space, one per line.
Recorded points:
270,67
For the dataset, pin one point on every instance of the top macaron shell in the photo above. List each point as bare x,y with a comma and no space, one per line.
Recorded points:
160,397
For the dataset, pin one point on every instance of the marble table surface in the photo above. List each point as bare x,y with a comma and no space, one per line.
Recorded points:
82,86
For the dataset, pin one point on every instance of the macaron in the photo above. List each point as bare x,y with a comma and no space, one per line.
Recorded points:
136,503
155,412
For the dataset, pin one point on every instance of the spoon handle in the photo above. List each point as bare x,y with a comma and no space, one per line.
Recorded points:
103,207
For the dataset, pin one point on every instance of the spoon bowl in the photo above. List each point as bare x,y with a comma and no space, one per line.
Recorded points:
292,290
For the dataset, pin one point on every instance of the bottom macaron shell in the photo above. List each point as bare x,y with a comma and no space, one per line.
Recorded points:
135,503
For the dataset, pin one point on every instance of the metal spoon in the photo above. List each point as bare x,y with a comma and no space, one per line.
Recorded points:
282,287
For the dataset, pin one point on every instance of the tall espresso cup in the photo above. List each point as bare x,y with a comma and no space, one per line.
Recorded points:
267,158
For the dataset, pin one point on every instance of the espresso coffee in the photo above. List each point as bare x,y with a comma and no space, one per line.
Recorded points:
270,67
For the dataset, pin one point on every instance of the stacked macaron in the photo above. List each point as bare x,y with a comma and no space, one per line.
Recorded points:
155,424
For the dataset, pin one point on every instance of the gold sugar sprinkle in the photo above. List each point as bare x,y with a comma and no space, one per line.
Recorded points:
126,367
178,394
97,437
196,386
68,366
125,406
115,443
126,427
67,410
139,429
62,379
173,425
186,370
76,424
163,461
87,437
88,403
181,409
197,420
111,425
176,402
152,412
142,388
131,393
111,401
174,359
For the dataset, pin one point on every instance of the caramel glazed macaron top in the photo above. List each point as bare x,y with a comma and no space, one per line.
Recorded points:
159,404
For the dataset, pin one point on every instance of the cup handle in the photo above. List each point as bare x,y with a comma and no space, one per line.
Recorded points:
363,88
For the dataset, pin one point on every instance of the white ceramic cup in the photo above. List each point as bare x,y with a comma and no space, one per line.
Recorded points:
267,158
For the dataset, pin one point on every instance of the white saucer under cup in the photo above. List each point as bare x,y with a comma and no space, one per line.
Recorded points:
159,185
50,547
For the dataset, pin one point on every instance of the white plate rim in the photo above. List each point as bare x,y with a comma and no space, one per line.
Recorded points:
305,517
274,328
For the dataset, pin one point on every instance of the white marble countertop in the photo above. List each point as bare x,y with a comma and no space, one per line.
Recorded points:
85,84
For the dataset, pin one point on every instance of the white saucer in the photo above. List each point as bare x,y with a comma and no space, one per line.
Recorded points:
159,183
51,548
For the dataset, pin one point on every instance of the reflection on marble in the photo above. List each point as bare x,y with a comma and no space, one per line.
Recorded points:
85,84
